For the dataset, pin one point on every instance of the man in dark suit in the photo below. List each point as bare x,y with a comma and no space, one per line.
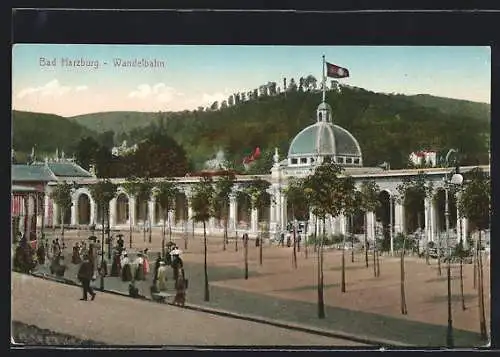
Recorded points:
85,274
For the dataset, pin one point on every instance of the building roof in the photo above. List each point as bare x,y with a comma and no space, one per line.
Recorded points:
66,169
21,188
323,138
29,173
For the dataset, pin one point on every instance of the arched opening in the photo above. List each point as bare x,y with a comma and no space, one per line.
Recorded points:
158,216
264,213
384,215
67,215
181,208
414,208
440,211
141,210
100,215
122,209
83,209
356,223
243,216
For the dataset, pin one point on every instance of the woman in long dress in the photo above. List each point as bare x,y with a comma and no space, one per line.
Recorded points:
139,268
126,270
161,280
116,266
180,288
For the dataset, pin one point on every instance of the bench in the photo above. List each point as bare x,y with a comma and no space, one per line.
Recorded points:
161,296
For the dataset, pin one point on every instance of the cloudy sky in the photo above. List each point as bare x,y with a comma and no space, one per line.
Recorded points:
195,76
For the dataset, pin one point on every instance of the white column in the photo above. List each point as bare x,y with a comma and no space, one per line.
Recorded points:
233,211
46,201
93,211
254,224
272,211
284,218
370,220
429,217
56,216
131,211
112,213
74,211
398,218
151,209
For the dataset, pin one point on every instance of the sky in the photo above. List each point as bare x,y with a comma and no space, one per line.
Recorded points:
43,79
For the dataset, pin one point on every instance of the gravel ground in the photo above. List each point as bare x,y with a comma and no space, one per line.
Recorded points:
33,335
338,319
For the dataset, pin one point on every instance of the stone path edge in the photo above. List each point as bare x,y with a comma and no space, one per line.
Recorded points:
373,342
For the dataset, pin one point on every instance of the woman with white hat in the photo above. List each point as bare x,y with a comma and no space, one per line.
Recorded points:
176,262
161,281
139,267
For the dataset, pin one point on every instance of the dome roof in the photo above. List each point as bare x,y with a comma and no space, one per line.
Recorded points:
328,138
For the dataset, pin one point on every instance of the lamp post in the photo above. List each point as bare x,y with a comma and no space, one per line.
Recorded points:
456,179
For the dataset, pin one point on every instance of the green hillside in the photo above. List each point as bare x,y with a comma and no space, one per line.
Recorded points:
119,122
454,106
46,132
388,127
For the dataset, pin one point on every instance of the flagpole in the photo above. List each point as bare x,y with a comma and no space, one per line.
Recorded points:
324,79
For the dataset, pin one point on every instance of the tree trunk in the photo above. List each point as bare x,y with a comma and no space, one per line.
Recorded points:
150,224
245,245
62,226
207,291
163,233
482,319
439,253
224,239
342,282
365,223
306,228
462,267
474,255
42,228
260,247
144,222
130,229
321,302
236,243
294,256
404,310
427,236
352,238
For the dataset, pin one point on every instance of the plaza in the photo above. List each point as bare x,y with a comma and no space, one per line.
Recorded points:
370,307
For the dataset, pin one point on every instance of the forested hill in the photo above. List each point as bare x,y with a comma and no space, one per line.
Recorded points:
118,122
46,132
388,127
454,106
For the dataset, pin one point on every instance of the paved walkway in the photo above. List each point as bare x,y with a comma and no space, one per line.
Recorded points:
114,319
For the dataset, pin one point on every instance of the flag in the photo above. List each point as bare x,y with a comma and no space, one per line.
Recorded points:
335,71
252,157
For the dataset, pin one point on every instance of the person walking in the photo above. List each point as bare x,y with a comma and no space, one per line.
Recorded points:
85,274
180,288
161,280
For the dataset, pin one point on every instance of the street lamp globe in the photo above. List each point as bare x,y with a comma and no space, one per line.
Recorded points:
457,179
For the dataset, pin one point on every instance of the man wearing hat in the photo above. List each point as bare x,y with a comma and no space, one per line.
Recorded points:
85,274
176,262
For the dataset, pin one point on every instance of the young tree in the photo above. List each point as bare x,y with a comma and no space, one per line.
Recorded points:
103,192
61,195
369,192
166,194
324,190
259,199
144,192
131,187
202,203
349,205
475,205
223,189
296,197
410,193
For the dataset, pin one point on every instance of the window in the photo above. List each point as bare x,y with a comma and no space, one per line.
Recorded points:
320,116
340,160
356,161
303,160
294,161
312,160
348,160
